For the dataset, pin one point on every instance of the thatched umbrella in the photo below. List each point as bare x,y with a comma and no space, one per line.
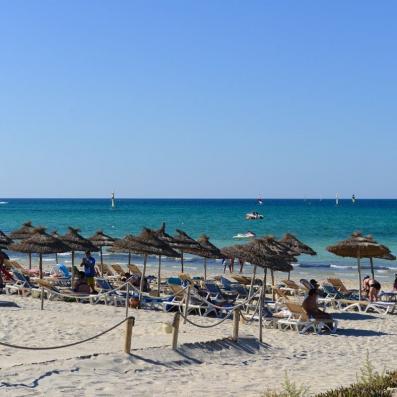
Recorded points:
358,246
100,239
76,242
146,243
207,250
297,246
25,231
183,242
168,239
40,243
5,241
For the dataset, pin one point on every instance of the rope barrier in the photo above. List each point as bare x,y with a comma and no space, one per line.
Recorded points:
68,344
205,326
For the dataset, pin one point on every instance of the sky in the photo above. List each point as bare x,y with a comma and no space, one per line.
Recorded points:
209,98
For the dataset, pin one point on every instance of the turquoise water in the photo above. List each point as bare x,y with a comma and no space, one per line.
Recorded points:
317,222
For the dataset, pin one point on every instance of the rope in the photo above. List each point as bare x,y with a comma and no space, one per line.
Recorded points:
68,344
222,307
249,320
205,326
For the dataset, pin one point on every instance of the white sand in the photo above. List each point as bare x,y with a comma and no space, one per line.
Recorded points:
206,364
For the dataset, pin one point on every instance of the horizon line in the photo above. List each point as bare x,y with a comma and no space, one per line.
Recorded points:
195,198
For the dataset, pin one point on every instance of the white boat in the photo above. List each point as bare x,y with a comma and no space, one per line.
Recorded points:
253,216
244,235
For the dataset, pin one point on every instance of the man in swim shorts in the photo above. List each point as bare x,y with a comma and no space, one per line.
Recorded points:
89,270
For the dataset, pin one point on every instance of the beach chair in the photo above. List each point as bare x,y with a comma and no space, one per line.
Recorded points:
116,298
107,271
195,305
299,320
22,286
238,288
53,292
118,270
365,306
134,270
218,296
339,286
241,279
17,266
291,286
186,278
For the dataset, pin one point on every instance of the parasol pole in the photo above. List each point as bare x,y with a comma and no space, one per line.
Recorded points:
372,267
41,266
182,260
101,261
251,286
205,269
359,274
142,277
272,275
30,260
159,277
129,258
264,282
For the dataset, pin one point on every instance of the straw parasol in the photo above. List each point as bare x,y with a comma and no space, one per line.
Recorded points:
206,250
168,239
39,242
146,243
296,245
76,242
358,246
25,231
100,239
183,242
5,241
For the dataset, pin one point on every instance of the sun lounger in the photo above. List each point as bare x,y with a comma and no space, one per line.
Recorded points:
134,270
241,279
238,288
291,286
21,285
17,266
339,286
116,298
300,321
107,271
364,306
119,270
54,292
195,304
218,296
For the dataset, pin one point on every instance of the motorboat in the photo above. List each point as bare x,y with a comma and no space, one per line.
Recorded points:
245,235
253,216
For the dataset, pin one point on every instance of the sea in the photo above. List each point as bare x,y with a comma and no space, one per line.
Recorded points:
317,222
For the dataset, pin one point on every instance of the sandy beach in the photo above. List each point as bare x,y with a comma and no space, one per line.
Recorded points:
206,363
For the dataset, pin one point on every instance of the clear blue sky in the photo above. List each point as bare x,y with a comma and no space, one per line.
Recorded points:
198,98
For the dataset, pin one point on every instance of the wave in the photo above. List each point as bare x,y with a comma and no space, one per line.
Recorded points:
3,202
312,265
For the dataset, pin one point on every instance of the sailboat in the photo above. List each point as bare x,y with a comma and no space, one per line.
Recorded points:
260,201
353,199
337,199
113,201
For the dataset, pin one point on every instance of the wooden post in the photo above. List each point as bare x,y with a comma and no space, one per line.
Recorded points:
127,299
128,334
261,313
42,298
41,266
264,282
289,275
272,274
175,326
236,320
359,275
142,277
372,267
205,269
251,289
159,277
101,261
187,304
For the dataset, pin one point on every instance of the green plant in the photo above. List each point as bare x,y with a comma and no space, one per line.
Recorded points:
368,373
290,389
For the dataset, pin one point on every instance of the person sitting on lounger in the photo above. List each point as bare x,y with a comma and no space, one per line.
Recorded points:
80,283
395,283
311,307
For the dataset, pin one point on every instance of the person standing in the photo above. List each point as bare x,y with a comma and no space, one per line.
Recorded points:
89,270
